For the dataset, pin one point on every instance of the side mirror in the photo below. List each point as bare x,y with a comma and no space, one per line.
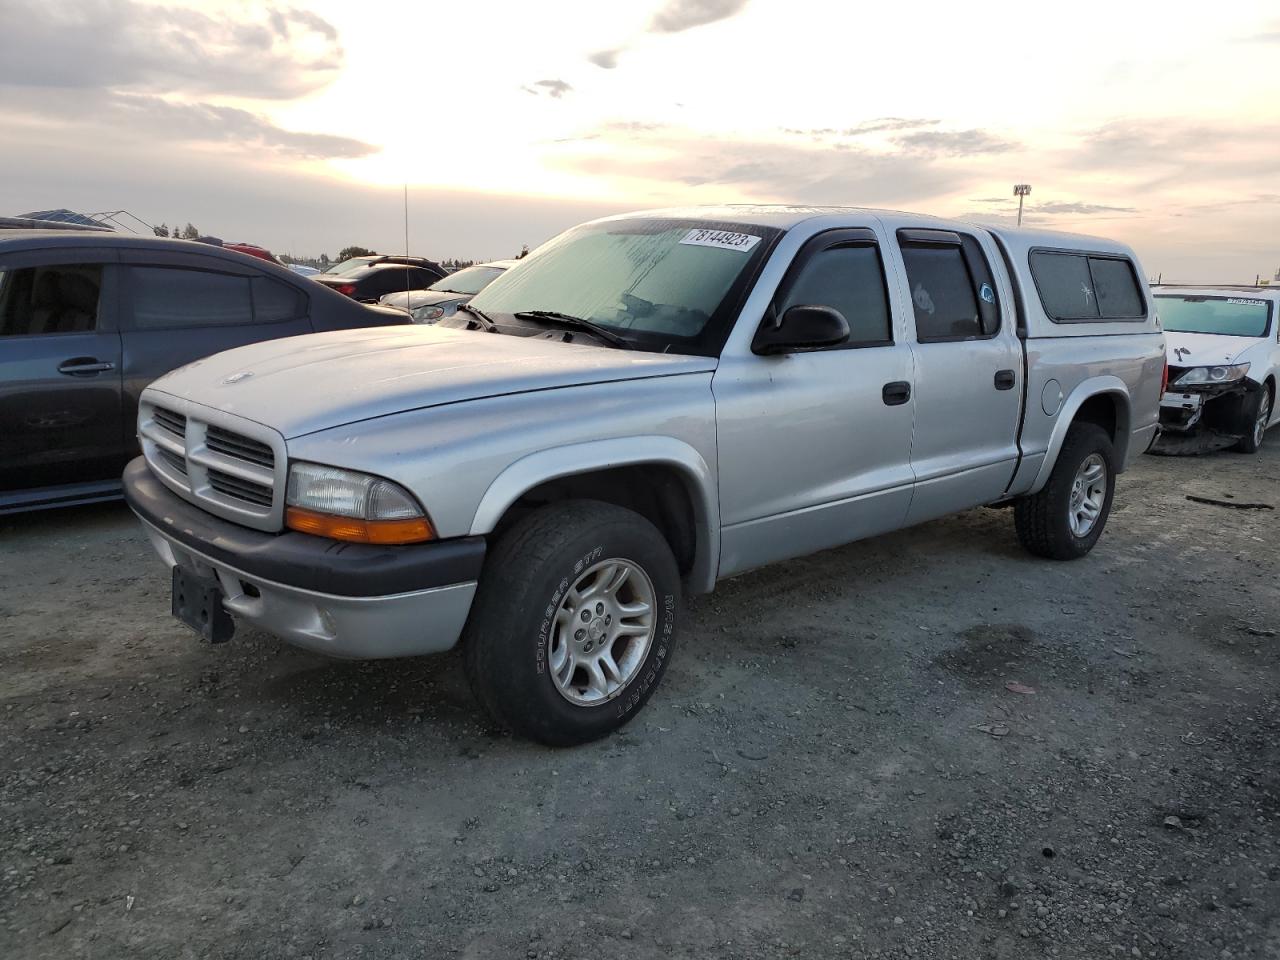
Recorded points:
802,327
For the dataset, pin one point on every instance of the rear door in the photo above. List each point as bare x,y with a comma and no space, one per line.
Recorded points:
176,308
968,372
60,396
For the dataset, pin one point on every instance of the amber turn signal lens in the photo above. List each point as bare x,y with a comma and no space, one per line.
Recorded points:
354,530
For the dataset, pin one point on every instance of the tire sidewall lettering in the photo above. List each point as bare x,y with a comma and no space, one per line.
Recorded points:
543,645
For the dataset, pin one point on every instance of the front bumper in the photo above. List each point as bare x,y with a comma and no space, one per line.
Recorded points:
1202,419
341,599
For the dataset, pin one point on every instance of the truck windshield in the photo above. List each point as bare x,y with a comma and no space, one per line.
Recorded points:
660,283
1230,316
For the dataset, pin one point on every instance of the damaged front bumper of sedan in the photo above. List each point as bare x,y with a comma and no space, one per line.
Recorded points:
1206,417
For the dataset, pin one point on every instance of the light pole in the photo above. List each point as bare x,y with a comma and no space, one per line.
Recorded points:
1021,190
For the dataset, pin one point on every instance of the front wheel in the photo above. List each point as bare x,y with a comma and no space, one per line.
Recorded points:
1256,426
573,623
1065,519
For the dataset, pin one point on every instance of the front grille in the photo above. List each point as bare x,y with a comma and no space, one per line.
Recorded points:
175,423
239,489
232,467
172,459
239,447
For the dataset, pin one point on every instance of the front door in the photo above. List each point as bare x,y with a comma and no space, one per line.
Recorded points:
815,446
59,376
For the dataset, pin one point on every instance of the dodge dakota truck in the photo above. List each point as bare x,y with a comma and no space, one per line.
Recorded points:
649,404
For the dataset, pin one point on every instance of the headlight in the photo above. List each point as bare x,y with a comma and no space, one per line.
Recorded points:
346,505
1208,376
426,314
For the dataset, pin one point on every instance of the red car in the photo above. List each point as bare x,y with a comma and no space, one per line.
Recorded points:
253,250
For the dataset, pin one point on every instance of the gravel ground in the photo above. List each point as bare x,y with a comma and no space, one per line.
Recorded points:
835,765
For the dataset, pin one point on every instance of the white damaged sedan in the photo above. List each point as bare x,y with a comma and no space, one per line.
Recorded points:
1224,359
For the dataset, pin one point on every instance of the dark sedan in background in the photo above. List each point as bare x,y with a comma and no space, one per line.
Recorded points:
368,278
443,297
87,319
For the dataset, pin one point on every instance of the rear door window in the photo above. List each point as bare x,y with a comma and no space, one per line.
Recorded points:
952,289
274,301
171,297
49,300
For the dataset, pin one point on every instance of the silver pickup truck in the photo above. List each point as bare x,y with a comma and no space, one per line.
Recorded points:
645,405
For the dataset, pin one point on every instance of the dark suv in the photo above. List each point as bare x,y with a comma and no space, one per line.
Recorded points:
369,278
87,319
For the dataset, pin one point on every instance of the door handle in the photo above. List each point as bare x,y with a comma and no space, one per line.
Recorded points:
1005,379
84,366
896,393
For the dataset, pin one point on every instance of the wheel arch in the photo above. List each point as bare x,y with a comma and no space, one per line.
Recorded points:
1103,401
662,478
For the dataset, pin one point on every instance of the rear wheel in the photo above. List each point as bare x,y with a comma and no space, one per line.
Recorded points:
573,623
1065,519
1255,426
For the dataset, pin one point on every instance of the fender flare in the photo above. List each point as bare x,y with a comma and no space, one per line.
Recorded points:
556,462
1093,387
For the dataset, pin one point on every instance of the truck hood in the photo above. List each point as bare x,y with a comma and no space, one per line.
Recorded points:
1204,349
299,385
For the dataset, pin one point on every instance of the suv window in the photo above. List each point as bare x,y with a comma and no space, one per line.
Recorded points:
952,290
848,278
1078,287
168,297
55,299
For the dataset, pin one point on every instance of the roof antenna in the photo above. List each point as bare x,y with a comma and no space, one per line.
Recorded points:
408,284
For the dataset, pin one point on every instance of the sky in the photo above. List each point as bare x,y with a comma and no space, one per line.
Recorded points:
297,126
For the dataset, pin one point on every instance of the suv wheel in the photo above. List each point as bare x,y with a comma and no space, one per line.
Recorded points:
573,623
1255,426
1064,520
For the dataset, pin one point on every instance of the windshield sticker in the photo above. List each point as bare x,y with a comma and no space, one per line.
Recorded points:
988,295
1252,303
721,239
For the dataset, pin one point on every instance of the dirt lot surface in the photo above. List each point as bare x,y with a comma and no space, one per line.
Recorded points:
835,765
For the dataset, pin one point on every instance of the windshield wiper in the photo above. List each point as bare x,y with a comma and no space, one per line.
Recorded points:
577,323
486,324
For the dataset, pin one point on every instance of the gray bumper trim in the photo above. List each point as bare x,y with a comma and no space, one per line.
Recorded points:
396,625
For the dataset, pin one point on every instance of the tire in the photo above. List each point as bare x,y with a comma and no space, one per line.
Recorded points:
1254,427
1044,520
515,642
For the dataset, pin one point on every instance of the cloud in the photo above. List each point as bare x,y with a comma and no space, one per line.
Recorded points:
953,143
634,126
143,47
887,123
1075,206
1158,153
676,16
555,89
605,59
286,209
1269,34
866,127
144,118
771,171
